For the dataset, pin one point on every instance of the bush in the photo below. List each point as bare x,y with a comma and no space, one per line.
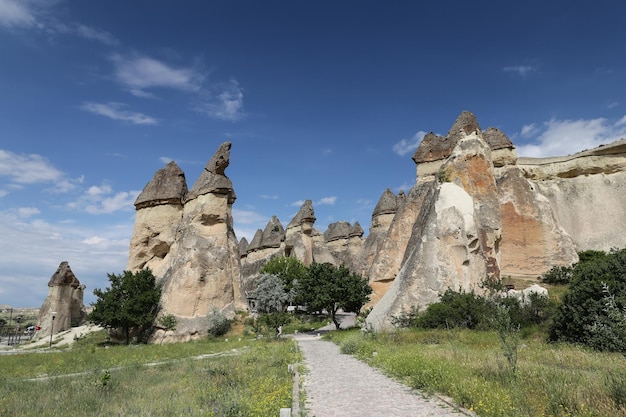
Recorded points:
587,313
219,325
455,309
558,275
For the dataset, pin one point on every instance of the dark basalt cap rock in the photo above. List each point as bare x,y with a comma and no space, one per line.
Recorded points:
168,186
256,241
337,230
64,277
357,230
387,204
273,234
213,179
434,147
496,139
305,214
243,246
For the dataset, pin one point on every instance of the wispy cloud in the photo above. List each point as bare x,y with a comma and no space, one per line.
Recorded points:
115,111
268,197
324,201
520,70
36,14
28,169
16,14
100,199
529,130
91,253
564,137
406,146
138,73
226,103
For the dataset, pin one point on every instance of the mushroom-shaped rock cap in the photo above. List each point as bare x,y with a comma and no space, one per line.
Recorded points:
256,241
337,230
305,214
243,246
496,139
434,147
168,186
64,277
357,230
387,204
213,179
273,234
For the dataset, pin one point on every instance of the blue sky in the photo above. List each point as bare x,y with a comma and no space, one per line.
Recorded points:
322,100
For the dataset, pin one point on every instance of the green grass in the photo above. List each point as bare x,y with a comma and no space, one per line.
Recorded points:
469,366
250,378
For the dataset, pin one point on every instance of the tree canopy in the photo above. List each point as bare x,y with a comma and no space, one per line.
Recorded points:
330,288
131,302
287,268
587,313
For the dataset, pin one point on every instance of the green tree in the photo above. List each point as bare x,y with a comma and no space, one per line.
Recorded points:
131,302
287,268
584,309
330,288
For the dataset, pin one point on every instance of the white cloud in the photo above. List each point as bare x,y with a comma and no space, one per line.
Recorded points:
28,169
612,105
3,193
97,199
227,104
16,13
114,111
33,249
91,33
521,70
564,137
166,159
120,201
26,212
139,72
406,146
268,197
328,201
529,130
248,217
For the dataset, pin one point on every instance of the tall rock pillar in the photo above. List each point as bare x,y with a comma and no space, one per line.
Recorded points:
202,272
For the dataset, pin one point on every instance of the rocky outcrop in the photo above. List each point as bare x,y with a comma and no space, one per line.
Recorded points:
200,270
159,210
343,241
64,302
455,238
476,212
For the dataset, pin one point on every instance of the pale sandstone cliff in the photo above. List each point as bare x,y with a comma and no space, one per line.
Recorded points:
476,212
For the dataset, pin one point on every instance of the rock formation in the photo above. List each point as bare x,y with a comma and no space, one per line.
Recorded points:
476,212
65,299
200,270
484,214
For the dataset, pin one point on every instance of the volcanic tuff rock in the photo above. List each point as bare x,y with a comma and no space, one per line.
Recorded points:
475,211
65,298
159,211
199,272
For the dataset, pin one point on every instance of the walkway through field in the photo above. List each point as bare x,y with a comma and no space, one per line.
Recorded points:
339,385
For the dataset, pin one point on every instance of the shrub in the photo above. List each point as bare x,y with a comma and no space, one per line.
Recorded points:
558,275
455,309
219,325
587,313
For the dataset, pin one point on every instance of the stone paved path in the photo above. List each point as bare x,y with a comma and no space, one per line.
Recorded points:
339,385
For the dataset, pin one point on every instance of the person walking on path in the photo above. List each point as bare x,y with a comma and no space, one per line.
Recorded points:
339,385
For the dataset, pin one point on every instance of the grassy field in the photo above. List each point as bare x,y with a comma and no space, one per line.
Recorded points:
469,366
206,378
